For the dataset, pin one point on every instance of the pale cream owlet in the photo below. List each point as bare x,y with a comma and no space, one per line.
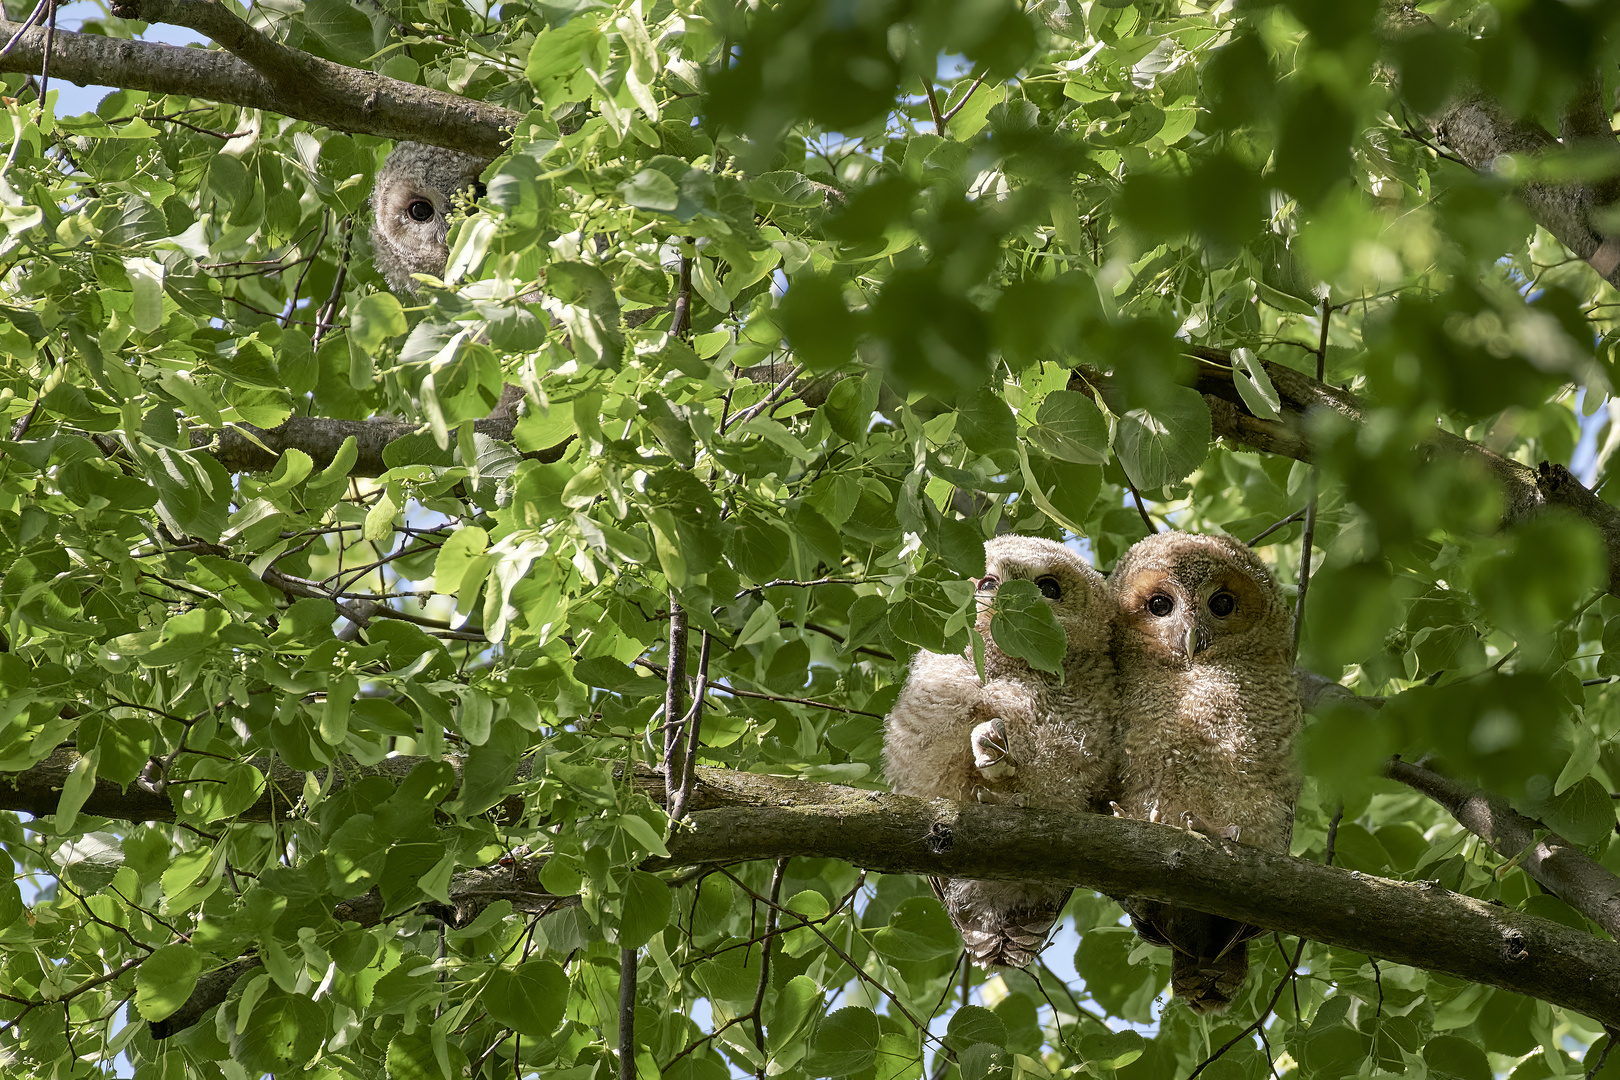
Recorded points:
1021,736
410,205
1209,717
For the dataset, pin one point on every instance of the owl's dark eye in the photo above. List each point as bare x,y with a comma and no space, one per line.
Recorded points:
1221,604
1049,588
988,583
420,210
1161,605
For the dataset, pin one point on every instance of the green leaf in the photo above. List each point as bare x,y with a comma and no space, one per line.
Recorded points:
846,1042
984,422
282,1033
1069,427
646,909
1113,1051
1164,444
1584,814
1256,390
918,930
165,979
971,1024
1451,1058
528,998
1023,625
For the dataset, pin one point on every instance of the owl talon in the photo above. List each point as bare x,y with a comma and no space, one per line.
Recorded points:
1220,835
991,755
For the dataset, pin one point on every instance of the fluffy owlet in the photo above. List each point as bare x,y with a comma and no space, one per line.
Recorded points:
409,205
1209,713
1021,736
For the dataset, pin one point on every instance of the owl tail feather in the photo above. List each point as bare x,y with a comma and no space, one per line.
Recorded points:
1003,924
1209,984
1209,960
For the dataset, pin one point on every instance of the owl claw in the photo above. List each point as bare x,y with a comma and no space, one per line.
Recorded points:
1219,834
991,755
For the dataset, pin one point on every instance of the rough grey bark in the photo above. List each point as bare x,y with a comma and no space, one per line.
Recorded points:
1526,491
1475,127
740,817
334,96
1567,872
470,893
245,448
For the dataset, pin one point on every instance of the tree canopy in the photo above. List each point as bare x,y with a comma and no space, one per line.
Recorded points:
356,721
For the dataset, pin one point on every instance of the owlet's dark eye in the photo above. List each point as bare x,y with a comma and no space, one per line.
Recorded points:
1161,605
1049,588
420,210
988,583
1221,604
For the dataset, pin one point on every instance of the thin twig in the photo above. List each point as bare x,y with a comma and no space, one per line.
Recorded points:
978,82
1289,520
1140,508
860,972
933,107
735,692
674,702
693,732
627,1014
1310,507
777,391
765,959
683,297
1612,1034
783,582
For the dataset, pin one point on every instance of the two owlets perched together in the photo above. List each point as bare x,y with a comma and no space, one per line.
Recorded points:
1176,703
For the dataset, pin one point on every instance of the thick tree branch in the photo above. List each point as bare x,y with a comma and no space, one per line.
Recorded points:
334,96
245,448
1474,126
1585,885
470,893
1525,491
740,817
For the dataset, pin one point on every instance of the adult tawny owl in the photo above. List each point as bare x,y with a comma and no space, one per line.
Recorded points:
1022,736
1209,714
410,204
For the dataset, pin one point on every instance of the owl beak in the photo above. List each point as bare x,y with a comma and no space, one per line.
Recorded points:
1198,639
1190,645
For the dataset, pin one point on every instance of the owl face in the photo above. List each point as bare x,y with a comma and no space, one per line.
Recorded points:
411,204
417,224
1076,592
1186,600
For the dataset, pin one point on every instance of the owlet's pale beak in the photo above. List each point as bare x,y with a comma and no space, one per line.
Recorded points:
1190,646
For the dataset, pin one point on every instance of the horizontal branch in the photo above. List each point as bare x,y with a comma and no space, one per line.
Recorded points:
1415,923
334,96
245,448
470,892
739,817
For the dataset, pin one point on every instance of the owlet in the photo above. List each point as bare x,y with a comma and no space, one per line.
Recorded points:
1021,736
1209,715
409,205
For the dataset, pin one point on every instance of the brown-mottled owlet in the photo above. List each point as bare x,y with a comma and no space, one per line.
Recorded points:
1209,716
409,205
1022,736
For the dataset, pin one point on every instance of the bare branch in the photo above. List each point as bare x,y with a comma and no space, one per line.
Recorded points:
334,96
